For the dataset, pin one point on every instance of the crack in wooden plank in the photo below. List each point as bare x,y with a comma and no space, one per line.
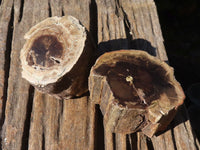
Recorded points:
150,144
43,141
49,9
173,139
63,13
99,131
60,118
93,27
132,141
21,11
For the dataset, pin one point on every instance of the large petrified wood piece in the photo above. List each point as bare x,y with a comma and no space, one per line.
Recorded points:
135,90
56,57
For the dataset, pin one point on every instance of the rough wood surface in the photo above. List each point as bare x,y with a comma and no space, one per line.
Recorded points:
31,120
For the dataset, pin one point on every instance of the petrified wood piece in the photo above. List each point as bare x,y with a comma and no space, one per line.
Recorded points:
56,57
135,90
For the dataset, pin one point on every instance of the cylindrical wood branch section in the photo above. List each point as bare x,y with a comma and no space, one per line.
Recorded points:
136,91
56,57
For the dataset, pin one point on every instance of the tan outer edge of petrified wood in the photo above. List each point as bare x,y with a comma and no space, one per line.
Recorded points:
71,34
149,117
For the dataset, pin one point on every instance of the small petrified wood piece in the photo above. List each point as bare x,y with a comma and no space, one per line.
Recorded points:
136,91
56,57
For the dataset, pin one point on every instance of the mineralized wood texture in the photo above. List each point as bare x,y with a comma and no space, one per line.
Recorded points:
135,91
31,120
57,56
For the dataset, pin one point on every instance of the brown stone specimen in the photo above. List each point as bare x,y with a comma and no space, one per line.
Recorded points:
136,91
56,57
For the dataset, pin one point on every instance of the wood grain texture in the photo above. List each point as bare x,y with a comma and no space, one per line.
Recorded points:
18,90
65,126
5,47
31,120
180,135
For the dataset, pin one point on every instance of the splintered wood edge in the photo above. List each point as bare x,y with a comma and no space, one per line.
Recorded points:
69,33
156,110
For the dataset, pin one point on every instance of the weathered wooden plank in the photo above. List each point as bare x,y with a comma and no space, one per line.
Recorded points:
77,124
142,142
18,89
120,141
78,9
108,139
184,128
142,23
55,8
36,137
5,47
179,136
61,124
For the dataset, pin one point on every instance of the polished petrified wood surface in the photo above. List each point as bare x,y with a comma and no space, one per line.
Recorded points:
32,120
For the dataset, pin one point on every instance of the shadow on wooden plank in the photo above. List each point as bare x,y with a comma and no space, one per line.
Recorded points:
99,130
180,117
118,44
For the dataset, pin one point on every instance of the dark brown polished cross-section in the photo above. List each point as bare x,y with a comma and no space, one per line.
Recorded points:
44,51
